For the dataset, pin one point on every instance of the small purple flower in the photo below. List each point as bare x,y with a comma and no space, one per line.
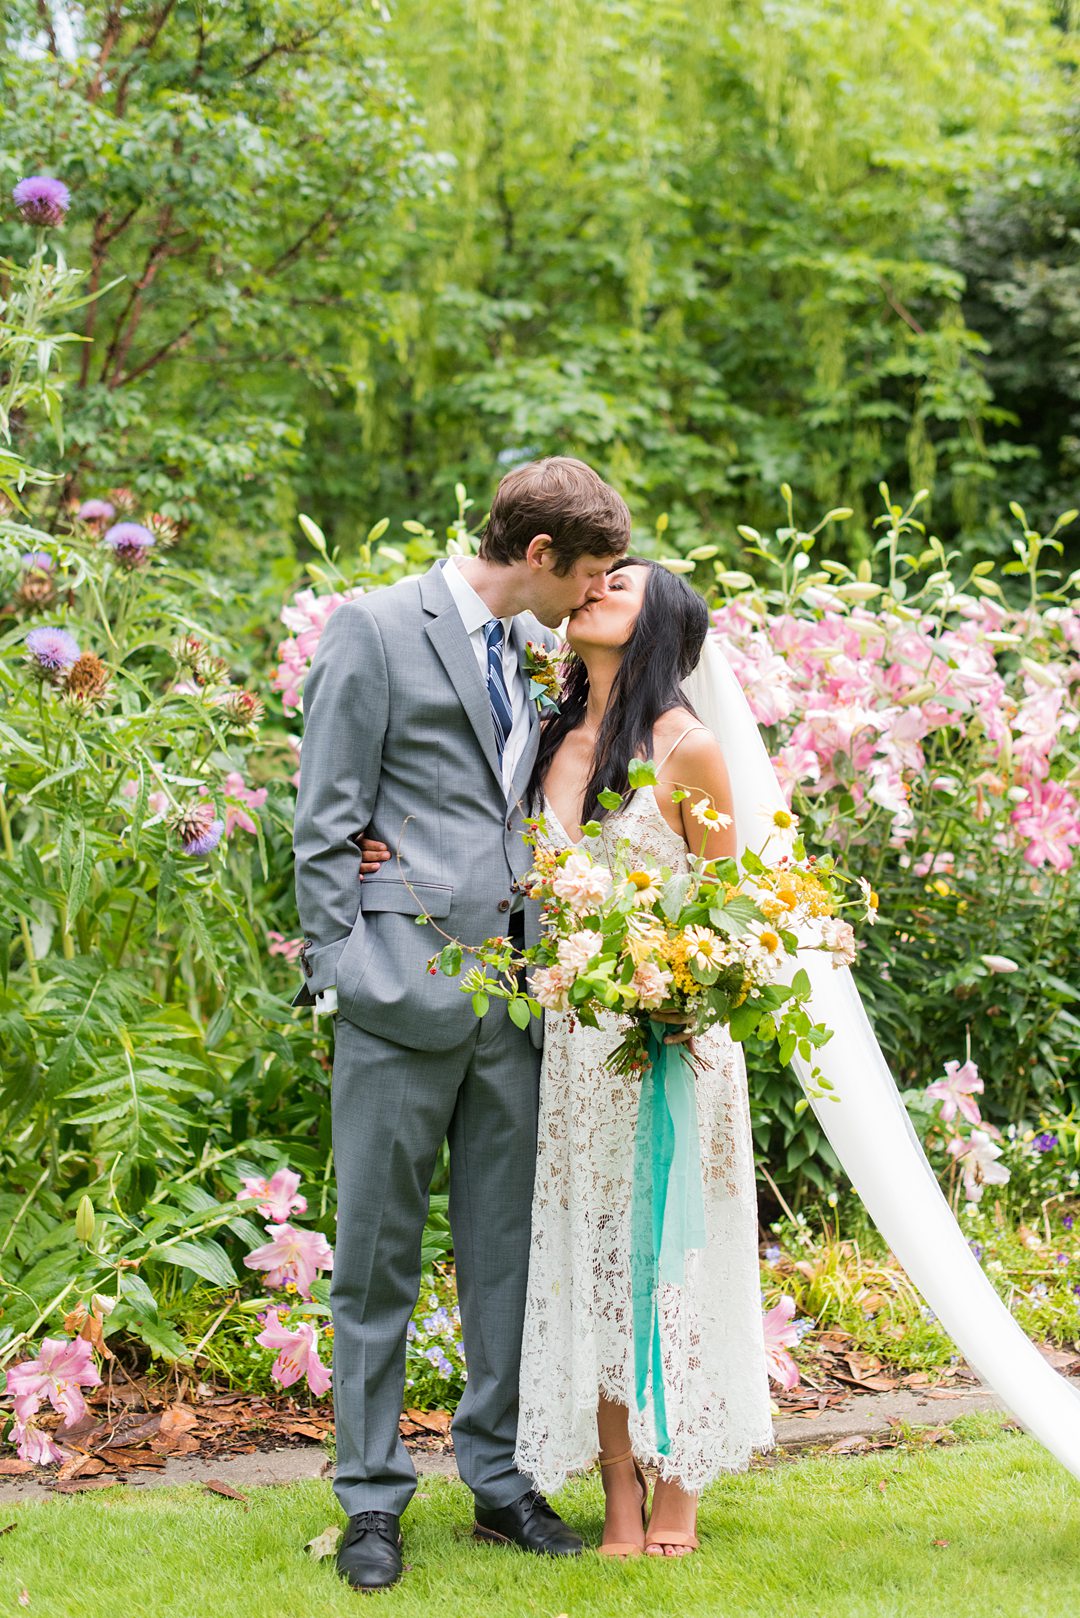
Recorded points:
1045,1142
53,650
977,1250
772,1253
1061,1258
41,200
1038,1290
207,840
41,560
131,542
196,827
1068,1221
96,511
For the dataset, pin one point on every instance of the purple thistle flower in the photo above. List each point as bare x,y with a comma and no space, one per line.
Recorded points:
38,559
96,511
196,827
1045,1142
205,841
41,200
131,543
53,650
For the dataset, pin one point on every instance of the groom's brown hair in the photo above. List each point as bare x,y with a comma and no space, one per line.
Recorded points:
562,497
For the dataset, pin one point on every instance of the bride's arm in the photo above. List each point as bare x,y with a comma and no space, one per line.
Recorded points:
697,765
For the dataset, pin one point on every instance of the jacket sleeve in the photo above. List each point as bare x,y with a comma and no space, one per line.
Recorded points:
346,705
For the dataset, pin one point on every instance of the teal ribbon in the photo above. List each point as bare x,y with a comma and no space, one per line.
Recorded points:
667,1209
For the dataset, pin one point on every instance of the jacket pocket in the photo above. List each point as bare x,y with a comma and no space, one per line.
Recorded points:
405,899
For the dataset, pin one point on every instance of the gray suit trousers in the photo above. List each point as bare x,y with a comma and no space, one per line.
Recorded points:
392,1109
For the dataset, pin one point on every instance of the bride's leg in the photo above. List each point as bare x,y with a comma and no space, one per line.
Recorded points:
674,1513
624,1487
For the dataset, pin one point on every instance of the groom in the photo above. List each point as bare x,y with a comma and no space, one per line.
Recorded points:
418,728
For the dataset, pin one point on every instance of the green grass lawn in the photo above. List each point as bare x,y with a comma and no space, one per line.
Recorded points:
827,1537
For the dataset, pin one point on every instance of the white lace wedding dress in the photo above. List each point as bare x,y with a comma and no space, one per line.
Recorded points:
578,1340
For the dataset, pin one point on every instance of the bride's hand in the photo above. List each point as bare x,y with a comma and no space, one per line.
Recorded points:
677,1021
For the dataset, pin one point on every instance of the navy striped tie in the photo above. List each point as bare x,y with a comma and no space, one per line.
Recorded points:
502,714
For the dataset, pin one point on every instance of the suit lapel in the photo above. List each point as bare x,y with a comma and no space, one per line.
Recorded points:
447,634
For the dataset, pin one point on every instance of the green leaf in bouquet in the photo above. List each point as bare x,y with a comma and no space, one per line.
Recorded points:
734,917
641,772
626,972
450,960
800,983
744,1019
706,975
786,1049
481,1003
608,799
752,863
591,828
673,897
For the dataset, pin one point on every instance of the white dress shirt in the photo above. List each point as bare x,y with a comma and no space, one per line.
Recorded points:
476,616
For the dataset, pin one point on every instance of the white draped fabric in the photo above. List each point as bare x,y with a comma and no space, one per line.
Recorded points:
868,1127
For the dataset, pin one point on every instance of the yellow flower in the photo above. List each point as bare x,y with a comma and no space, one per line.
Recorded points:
770,942
784,820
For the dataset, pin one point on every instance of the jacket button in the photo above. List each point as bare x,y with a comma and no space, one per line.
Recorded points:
504,904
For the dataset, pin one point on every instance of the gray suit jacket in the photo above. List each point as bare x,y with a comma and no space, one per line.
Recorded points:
398,738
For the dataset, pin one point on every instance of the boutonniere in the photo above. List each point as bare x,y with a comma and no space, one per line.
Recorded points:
545,681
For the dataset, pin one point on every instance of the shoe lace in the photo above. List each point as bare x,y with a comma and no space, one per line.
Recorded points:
365,1521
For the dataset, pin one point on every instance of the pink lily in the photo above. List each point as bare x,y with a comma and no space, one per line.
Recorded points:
280,1193
293,1255
977,1157
299,1354
61,1368
780,1335
34,1444
956,1091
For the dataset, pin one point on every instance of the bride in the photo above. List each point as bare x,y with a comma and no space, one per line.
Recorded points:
649,681
580,1389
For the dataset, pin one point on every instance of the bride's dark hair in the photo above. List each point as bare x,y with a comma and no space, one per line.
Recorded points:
661,653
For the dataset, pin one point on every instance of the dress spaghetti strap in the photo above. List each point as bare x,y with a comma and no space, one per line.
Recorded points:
687,732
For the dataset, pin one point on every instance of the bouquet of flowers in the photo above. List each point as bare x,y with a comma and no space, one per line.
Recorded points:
708,946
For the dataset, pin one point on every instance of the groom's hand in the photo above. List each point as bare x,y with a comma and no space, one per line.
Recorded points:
372,855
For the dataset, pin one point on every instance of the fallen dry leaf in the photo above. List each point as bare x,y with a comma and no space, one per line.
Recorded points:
80,1466
177,1419
306,1429
430,1421
216,1486
324,1544
941,1543
850,1445
8,1527
11,1468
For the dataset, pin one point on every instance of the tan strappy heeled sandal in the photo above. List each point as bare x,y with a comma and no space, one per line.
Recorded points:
627,1547
673,1537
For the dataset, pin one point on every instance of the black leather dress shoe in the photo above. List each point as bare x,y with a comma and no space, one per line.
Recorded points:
530,1524
369,1555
